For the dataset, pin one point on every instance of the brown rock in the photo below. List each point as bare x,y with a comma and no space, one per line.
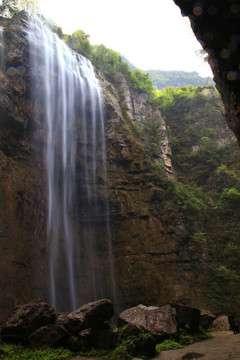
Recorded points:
158,321
103,336
188,318
78,342
49,335
87,316
206,319
139,342
25,319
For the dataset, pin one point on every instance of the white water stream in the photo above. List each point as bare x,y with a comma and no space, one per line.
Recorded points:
71,107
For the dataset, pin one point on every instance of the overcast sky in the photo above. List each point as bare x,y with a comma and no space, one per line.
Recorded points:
151,34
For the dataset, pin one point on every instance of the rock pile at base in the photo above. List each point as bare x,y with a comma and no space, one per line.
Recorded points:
37,324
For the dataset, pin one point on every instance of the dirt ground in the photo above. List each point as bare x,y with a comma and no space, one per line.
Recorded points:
224,346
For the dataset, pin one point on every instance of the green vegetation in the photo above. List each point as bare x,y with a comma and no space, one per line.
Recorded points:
168,344
129,345
10,7
20,352
109,62
162,79
207,194
183,340
79,42
112,65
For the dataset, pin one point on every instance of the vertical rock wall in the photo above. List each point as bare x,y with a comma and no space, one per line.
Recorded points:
22,198
148,240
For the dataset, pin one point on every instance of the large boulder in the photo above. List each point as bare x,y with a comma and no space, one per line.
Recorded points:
188,318
87,316
206,319
221,323
27,318
158,321
104,336
49,335
135,341
80,342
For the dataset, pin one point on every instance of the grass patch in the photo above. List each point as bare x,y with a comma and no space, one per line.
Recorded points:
20,352
168,344
184,340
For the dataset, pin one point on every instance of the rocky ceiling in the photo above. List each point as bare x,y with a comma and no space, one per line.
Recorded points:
216,25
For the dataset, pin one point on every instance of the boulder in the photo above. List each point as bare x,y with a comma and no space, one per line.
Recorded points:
27,318
158,321
104,336
188,318
206,319
221,323
78,342
49,335
136,341
86,316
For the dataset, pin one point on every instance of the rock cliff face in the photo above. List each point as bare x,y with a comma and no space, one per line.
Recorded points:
23,202
148,241
216,26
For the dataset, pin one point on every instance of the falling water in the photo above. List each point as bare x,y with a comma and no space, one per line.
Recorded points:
68,101
1,45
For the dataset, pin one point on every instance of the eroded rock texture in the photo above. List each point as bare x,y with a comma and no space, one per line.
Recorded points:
216,25
148,240
22,180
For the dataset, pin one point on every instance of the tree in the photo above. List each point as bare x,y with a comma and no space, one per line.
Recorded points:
79,42
10,7
110,63
141,81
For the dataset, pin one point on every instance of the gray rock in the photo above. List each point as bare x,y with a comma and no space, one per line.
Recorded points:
158,321
221,323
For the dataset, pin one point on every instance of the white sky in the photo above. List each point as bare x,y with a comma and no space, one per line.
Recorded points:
151,34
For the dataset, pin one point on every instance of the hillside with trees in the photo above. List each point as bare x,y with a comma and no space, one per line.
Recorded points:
205,157
162,79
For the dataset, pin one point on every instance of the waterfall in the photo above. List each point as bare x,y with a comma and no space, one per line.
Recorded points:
1,45
68,103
